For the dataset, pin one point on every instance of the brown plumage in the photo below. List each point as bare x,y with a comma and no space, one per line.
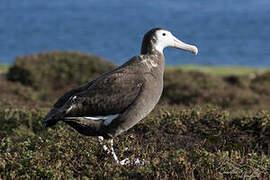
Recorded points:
126,94
117,92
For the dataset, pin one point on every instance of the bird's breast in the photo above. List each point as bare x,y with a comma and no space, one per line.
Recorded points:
154,87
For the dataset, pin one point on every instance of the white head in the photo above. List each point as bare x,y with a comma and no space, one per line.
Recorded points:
158,39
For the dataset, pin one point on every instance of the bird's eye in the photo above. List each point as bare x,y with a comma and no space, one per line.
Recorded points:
164,34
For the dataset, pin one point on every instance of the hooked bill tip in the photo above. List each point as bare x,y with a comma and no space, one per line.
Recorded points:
195,50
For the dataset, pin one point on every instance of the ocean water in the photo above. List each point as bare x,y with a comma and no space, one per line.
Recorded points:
227,32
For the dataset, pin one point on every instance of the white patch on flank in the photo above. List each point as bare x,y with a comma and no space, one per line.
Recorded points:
107,119
74,97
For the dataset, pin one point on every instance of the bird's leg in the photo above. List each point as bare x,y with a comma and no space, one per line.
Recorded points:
124,161
111,151
107,150
101,139
139,162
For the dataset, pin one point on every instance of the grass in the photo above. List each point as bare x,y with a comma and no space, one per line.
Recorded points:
211,123
222,70
4,68
217,70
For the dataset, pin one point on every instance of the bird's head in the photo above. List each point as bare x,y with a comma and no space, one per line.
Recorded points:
157,39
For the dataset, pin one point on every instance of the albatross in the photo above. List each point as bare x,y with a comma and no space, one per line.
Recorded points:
117,100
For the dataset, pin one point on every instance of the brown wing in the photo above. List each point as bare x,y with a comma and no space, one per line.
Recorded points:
109,95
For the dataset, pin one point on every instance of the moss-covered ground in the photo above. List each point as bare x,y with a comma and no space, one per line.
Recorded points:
208,125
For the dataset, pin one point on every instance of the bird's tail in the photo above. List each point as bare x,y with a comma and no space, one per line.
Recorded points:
52,118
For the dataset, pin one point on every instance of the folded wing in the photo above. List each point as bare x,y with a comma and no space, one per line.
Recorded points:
107,95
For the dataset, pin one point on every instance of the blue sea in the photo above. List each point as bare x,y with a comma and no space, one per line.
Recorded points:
226,32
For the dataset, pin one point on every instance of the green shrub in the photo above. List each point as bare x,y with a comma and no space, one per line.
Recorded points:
190,87
14,94
261,84
201,143
55,70
194,87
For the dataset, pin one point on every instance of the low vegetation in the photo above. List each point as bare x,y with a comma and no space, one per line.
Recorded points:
4,69
222,70
41,71
206,125
195,143
230,92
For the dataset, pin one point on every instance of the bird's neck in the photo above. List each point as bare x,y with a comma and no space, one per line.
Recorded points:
150,46
156,60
